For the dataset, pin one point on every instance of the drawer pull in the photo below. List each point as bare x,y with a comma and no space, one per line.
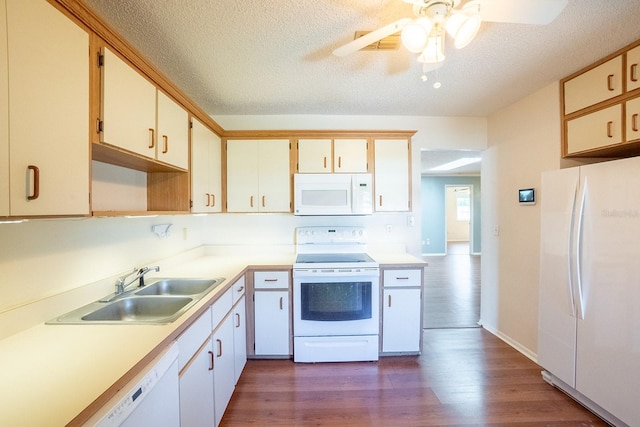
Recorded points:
634,122
152,137
211,360
634,72
402,278
610,129
240,289
610,83
270,280
36,182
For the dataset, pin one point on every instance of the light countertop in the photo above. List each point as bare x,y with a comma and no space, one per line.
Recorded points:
51,373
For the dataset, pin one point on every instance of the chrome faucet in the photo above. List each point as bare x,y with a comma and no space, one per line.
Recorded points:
122,284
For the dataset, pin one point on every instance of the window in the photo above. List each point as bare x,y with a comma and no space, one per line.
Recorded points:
463,208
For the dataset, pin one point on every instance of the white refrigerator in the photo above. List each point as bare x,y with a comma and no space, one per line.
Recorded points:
589,302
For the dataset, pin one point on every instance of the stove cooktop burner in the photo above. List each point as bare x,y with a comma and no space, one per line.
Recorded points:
333,258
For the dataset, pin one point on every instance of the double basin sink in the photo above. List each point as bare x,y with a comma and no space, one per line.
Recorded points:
159,302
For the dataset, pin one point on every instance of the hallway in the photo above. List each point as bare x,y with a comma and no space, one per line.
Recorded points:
452,289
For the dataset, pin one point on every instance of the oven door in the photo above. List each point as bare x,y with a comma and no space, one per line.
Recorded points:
334,302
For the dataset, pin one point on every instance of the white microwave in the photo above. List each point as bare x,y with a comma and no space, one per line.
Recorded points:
332,194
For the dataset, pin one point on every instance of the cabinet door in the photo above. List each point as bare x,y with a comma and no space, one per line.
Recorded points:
314,156
49,104
633,74
392,175
595,130
173,132
274,179
401,320
350,155
196,389
271,323
206,170
599,84
128,107
633,122
223,371
239,338
4,113
242,176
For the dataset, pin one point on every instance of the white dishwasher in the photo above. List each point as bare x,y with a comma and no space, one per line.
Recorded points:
152,398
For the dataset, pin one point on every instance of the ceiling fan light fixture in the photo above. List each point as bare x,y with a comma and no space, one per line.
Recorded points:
467,31
434,52
415,34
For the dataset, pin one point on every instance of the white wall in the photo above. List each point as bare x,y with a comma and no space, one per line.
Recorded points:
523,141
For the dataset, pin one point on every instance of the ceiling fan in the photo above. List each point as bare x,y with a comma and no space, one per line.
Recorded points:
426,33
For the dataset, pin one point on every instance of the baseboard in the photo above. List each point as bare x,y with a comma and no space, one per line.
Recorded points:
522,349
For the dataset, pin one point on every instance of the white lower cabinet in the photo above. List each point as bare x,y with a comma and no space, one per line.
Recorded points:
208,359
223,369
402,311
271,323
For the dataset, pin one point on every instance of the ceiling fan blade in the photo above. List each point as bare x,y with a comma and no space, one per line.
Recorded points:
371,37
540,12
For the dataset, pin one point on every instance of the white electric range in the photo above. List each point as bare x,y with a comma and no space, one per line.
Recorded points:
335,296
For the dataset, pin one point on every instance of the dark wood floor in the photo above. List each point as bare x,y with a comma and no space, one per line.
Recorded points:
464,377
452,289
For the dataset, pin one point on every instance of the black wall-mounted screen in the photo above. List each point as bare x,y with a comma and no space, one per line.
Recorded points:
527,196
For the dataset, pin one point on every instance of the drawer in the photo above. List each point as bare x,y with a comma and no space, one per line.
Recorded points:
238,289
191,339
271,280
221,307
408,277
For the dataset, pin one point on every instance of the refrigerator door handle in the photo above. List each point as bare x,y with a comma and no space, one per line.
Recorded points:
579,294
571,252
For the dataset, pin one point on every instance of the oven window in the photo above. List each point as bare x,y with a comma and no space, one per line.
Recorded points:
336,301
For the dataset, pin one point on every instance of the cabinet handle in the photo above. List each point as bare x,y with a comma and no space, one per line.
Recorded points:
402,278
610,82
610,129
36,182
219,348
634,72
281,301
389,300
251,201
152,141
270,280
263,201
211,360
165,138
208,199
213,200
380,200
237,320
339,162
634,122
325,162
240,289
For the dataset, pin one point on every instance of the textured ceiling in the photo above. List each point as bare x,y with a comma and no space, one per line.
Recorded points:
274,57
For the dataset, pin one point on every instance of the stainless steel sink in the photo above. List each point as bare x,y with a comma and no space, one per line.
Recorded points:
139,309
159,302
180,286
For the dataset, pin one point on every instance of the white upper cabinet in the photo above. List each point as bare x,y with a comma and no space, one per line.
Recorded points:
173,132
633,73
48,111
258,177
206,170
392,176
327,155
598,84
130,106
